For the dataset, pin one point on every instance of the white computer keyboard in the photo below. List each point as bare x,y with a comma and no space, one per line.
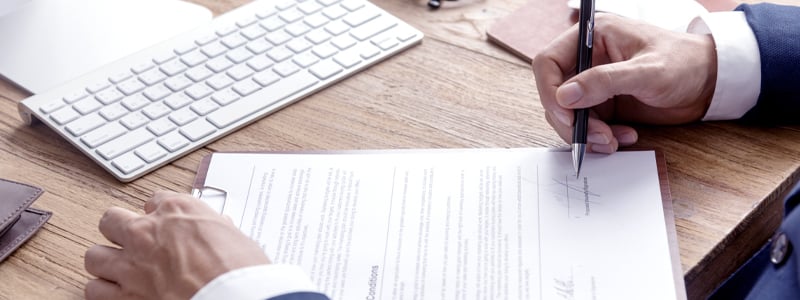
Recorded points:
143,111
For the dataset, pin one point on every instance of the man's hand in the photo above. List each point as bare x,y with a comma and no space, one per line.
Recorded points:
641,74
170,253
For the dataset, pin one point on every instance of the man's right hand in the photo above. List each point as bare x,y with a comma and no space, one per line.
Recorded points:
641,74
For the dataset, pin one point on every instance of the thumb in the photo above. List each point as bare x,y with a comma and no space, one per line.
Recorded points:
600,83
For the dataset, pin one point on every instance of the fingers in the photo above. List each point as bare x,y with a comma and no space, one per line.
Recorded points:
113,223
600,83
600,138
157,199
105,262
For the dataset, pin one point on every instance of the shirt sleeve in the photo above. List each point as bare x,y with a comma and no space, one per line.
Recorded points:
738,64
257,282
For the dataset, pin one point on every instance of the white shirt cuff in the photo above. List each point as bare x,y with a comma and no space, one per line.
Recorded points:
738,64
257,282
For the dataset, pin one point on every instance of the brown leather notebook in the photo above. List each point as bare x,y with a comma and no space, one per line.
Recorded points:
18,222
529,29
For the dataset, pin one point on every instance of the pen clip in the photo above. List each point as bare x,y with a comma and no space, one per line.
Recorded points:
215,197
590,27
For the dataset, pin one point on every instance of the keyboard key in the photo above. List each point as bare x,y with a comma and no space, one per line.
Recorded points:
134,120
239,55
163,57
183,116
325,50
347,59
99,86
284,5
157,92
103,134
87,105
266,78
318,36
254,32
238,110
259,46
178,83
73,97
240,72
272,24
194,58
259,63
219,64
152,77
309,7
203,107
325,69
385,43
142,67
305,59
352,5
328,2
84,124
199,91
368,51
206,39
52,106
199,73
135,102
316,20
161,126
119,77
226,29
291,15
279,54
266,12
124,143
242,23
176,101
197,130
278,37
131,86
297,29
128,163
337,28
286,68
185,48
227,96
334,12
361,17
220,81
151,152
173,141
64,115
343,42
109,96
406,35
214,49
298,45
173,67
234,40
156,110
372,28
246,87
113,112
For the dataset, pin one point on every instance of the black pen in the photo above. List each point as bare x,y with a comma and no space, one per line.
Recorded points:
581,123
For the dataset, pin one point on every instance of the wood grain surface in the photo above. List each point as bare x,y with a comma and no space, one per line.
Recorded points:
453,90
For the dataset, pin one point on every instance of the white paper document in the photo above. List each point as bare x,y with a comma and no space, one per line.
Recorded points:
455,224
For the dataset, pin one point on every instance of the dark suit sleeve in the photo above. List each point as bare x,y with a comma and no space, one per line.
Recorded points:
777,31
301,296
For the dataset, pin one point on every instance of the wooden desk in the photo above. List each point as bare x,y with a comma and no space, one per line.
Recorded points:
454,90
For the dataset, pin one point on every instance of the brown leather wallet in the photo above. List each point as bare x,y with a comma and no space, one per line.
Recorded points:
18,222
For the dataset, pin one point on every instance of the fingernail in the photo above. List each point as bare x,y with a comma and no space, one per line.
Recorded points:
627,138
569,93
597,138
603,148
562,117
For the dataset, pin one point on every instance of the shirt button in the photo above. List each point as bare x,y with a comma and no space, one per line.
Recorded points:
780,248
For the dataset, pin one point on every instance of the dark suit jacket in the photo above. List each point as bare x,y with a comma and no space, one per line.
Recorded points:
777,30
773,272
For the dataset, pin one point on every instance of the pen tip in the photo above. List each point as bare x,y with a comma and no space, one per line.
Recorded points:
578,152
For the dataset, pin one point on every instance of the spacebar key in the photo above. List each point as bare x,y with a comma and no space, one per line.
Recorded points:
257,101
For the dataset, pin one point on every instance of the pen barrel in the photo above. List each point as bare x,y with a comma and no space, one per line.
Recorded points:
580,126
585,35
